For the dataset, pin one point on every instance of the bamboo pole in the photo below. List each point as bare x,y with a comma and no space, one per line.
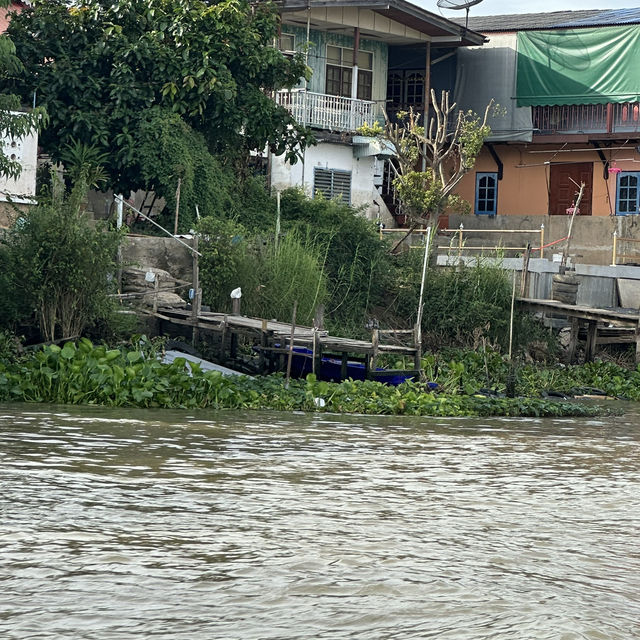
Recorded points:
542,240
614,257
291,338
513,301
460,231
195,301
418,332
565,253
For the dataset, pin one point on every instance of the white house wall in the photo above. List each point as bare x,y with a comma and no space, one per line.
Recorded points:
25,151
365,173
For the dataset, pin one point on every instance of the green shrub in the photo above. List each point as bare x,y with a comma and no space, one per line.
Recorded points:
272,277
59,266
460,304
358,266
168,149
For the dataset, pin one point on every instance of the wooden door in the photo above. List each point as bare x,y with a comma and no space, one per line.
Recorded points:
563,192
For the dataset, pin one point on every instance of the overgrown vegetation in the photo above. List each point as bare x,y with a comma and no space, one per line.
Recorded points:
57,268
98,67
81,373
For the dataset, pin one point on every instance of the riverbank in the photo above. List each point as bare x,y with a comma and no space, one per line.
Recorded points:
81,373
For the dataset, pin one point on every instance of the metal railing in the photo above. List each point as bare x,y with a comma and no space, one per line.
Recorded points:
324,111
587,118
458,244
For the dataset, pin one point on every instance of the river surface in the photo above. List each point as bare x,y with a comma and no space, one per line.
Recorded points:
120,524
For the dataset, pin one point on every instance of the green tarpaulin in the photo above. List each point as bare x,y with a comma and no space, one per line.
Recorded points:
578,66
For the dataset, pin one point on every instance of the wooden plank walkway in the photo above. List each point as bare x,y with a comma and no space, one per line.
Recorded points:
578,314
275,337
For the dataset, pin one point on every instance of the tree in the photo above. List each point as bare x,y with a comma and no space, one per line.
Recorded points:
99,65
432,161
57,267
14,123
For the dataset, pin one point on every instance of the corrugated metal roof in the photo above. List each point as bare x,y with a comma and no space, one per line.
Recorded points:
611,17
552,20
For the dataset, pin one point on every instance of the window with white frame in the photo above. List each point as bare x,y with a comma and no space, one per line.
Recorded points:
486,193
332,183
628,193
287,43
339,72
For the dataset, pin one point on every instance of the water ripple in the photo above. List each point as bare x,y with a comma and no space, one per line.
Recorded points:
121,524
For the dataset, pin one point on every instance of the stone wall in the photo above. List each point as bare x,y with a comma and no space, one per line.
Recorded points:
163,253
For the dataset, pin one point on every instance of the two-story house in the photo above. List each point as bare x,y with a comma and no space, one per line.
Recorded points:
367,56
570,83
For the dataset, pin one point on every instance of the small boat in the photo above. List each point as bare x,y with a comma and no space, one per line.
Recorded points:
332,369
171,354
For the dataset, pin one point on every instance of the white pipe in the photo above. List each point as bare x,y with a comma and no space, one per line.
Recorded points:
119,198
119,201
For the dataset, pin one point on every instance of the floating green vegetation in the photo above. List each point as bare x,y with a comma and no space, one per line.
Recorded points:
81,373
464,371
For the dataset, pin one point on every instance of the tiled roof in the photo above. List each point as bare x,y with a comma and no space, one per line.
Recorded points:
552,20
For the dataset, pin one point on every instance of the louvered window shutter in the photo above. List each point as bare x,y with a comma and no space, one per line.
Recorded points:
332,183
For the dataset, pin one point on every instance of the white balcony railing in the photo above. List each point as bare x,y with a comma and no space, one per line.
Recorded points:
323,111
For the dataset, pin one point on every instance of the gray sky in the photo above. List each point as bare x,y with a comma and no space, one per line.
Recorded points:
497,7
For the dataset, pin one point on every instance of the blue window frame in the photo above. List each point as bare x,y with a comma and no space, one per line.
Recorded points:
486,193
628,193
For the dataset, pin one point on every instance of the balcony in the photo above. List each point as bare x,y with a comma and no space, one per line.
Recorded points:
587,118
322,111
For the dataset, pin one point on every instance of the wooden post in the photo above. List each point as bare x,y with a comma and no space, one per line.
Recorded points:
354,63
318,319
590,347
175,224
235,311
263,344
542,240
524,278
573,339
196,300
223,338
317,352
513,301
291,339
565,253
375,341
343,366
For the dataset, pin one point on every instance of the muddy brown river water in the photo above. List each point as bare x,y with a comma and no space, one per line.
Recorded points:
119,524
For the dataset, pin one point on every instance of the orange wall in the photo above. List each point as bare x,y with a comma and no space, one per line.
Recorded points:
5,14
524,188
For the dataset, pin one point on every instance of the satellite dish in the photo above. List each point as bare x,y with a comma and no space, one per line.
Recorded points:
457,5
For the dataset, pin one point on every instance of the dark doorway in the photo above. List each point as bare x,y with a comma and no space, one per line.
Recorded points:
563,190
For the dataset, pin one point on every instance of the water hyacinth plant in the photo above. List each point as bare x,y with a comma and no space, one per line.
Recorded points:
81,373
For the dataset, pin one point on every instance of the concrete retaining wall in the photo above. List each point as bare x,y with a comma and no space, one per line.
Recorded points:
592,241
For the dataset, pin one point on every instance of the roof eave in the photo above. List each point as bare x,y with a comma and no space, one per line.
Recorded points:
461,36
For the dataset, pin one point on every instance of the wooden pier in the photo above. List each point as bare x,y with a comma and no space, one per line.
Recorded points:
274,341
621,325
